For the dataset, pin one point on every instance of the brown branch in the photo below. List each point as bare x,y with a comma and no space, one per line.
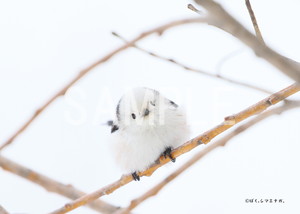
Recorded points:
3,211
188,68
205,138
254,22
157,30
52,185
218,17
222,142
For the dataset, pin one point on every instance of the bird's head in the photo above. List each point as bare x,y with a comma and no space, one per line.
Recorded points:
143,108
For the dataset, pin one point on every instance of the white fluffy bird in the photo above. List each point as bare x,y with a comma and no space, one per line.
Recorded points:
147,125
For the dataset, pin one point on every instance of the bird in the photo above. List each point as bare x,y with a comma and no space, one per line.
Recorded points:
146,126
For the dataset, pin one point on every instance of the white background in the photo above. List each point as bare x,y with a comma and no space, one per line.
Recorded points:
44,44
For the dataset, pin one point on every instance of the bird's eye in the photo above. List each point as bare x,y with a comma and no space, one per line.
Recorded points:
133,116
152,103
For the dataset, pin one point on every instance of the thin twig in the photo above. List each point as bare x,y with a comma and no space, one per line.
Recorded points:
218,17
254,21
204,138
191,7
52,185
3,211
226,58
188,68
222,142
157,30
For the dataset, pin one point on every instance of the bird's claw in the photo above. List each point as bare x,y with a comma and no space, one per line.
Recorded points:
167,153
135,176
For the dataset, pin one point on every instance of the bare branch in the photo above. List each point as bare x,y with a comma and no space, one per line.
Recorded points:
3,211
254,22
204,138
218,17
157,30
222,142
51,185
188,68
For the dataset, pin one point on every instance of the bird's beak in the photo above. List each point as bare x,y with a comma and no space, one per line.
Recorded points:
146,112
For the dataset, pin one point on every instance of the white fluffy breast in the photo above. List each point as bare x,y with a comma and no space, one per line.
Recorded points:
136,148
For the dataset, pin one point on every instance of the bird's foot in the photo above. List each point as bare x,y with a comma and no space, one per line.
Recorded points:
135,176
167,153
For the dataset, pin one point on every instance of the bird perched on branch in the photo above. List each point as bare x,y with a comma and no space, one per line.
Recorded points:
147,125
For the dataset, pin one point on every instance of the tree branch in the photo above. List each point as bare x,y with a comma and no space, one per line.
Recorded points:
188,68
52,185
254,22
205,138
218,17
157,30
222,142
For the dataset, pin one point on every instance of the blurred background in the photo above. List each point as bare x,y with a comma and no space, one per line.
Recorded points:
44,44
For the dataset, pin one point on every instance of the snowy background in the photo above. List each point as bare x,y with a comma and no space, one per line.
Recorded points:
44,44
